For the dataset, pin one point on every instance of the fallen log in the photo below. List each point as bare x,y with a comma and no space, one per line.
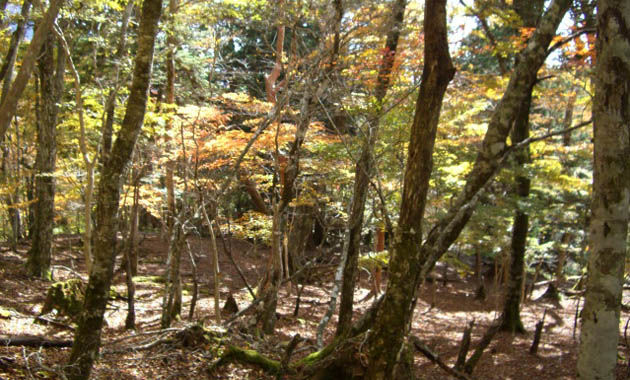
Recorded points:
33,341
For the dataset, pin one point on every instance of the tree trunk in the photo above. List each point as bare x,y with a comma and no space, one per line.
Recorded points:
40,254
511,318
494,149
300,235
172,302
170,99
6,72
110,103
88,334
393,318
363,171
597,356
6,76
9,105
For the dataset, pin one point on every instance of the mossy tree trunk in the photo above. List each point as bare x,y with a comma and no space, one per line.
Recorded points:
364,168
88,334
51,87
386,340
597,358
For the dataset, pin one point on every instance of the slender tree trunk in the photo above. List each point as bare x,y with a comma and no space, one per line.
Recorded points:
110,104
6,72
9,105
172,305
494,148
271,88
172,302
511,319
364,168
40,254
393,318
6,77
597,357
170,99
88,334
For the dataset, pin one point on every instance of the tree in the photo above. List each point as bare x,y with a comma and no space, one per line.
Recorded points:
9,104
597,356
511,318
51,89
412,258
394,315
88,333
6,76
364,169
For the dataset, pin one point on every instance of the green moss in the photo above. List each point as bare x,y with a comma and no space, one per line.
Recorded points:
372,260
316,356
5,313
66,297
252,357
149,279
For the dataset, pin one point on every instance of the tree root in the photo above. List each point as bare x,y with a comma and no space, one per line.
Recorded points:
233,353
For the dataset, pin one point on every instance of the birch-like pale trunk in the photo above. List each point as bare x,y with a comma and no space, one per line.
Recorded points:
597,357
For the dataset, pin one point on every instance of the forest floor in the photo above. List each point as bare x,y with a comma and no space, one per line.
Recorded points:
442,312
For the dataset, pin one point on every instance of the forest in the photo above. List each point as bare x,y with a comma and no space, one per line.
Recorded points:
314,189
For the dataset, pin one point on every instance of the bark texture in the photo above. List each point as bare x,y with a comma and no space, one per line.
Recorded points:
597,356
51,87
88,334
363,171
9,104
386,339
511,318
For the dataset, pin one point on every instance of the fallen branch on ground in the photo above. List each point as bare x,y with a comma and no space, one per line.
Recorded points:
33,341
435,358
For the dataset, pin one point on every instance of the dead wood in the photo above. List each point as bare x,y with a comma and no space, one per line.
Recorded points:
50,322
464,347
435,358
33,341
485,341
537,334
